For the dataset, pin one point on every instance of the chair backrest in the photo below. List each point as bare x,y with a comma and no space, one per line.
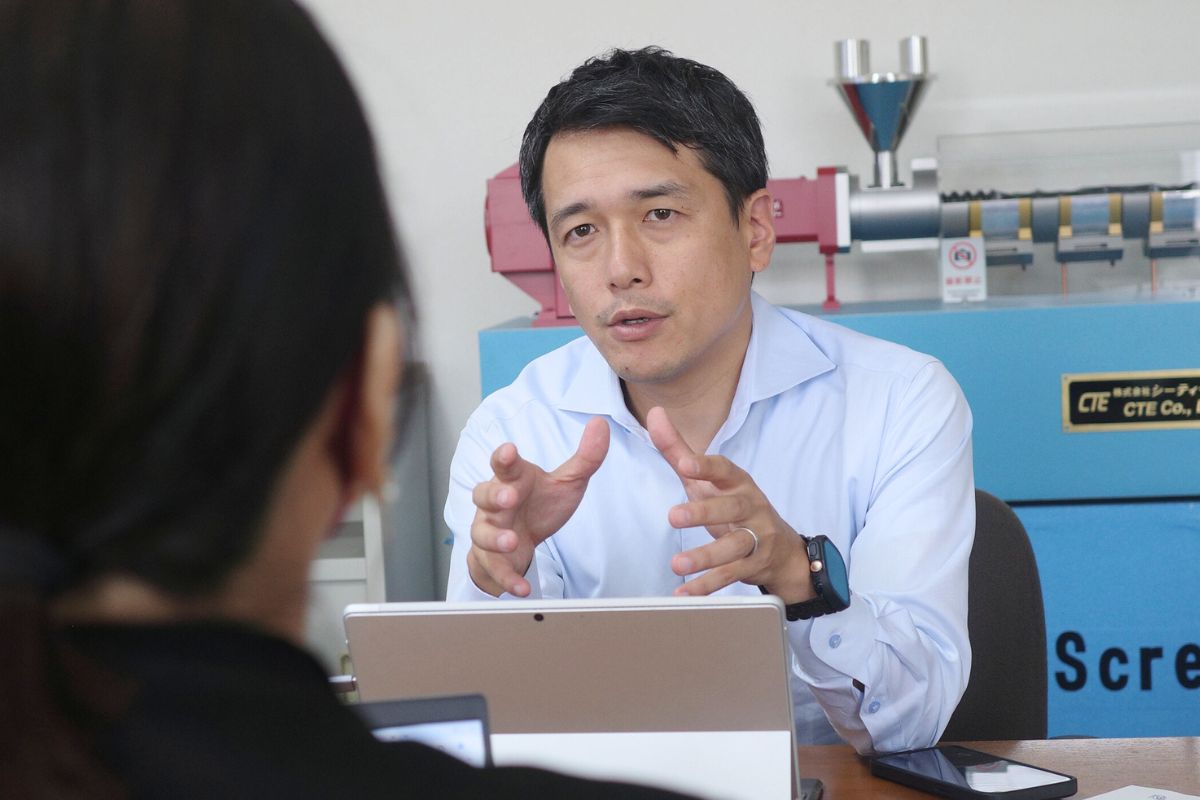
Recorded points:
1006,695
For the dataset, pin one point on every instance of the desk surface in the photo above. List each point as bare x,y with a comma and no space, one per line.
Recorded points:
1100,765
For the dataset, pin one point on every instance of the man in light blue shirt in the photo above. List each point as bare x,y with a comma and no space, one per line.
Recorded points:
699,440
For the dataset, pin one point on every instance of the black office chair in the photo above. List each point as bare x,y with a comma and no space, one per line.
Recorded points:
1006,695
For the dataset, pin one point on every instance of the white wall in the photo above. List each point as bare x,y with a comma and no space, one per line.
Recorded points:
450,84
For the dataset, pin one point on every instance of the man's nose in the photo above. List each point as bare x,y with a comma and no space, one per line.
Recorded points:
628,264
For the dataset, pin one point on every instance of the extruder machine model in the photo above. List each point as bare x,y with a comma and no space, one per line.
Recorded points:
835,209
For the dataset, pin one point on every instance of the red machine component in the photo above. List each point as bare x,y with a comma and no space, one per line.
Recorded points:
518,249
815,211
805,211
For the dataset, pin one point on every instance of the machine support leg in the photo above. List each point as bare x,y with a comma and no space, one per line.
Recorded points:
831,302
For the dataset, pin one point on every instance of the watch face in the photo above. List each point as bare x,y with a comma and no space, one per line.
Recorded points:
835,571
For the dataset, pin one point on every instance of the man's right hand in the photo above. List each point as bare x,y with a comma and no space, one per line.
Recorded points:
523,505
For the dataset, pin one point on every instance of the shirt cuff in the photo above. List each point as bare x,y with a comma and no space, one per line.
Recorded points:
832,648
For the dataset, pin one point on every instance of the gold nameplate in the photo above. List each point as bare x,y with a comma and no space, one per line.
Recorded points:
1111,401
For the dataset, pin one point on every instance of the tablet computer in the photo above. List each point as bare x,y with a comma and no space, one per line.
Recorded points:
455,724
576,683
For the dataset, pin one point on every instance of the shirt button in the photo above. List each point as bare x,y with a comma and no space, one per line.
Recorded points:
835,641
871,709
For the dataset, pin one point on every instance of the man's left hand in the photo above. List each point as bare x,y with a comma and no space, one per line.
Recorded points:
725,499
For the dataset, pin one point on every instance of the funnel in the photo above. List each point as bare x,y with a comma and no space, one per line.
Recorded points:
882,103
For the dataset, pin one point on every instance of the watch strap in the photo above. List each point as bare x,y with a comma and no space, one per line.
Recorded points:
822,603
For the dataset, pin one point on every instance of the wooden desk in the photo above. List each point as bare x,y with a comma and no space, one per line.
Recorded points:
1100,765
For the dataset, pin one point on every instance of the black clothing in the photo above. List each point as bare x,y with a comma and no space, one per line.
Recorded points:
222,711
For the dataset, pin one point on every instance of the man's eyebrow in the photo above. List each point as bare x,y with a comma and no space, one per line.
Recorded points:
567,211
665,189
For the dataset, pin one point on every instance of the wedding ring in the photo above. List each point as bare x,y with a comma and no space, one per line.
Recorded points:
753,536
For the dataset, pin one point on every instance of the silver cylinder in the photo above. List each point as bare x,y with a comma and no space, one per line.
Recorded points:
913,56
886,175
851,59
896,213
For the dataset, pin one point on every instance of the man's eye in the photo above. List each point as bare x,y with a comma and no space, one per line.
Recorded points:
660,214
580,231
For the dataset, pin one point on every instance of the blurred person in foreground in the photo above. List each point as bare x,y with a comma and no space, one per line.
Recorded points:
201,336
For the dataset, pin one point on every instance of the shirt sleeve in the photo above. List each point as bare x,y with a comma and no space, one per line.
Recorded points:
904,637
471,466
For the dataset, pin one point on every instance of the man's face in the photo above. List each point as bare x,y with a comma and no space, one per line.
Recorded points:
657,271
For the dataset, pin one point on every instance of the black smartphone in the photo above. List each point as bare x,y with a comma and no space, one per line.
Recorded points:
966,774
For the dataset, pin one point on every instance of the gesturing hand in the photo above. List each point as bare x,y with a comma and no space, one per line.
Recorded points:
725,499
523,505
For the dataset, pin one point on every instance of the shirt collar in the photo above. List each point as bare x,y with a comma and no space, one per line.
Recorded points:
780,355
594,388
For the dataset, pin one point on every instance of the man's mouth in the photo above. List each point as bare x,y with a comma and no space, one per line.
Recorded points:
633,317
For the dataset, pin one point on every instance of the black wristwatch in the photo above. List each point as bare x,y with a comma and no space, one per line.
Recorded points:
828,573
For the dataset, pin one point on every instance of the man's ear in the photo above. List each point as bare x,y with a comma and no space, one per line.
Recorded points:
758,217
369,415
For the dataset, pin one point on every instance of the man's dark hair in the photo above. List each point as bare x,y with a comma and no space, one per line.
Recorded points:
192,235
673,100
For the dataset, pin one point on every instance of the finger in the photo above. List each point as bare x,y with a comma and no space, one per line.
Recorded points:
711,581
513,583
491,537
589,455
668,441
507,463
717,470
502,573
716,512
492,496
729,548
